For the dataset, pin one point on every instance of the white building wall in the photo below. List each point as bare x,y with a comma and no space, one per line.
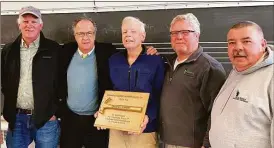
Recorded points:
12,7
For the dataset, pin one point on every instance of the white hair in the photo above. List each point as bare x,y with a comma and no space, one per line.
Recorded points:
20,19
191,18
134,19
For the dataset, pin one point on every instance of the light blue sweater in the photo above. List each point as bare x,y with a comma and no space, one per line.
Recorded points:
83,84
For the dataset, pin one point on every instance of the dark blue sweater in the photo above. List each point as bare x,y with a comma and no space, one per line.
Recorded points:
146,74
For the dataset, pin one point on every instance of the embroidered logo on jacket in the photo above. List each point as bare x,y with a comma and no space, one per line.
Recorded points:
237,97
189,73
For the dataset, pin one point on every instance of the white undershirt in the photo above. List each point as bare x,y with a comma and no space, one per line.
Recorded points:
177,63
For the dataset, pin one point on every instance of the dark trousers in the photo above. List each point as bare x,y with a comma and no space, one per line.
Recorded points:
78,130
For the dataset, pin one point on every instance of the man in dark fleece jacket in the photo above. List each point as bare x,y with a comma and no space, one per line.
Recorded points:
192,81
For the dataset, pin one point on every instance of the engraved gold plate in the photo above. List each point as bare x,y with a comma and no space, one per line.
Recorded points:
122,110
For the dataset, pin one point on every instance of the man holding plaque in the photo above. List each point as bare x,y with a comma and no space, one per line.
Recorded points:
134,71
192,81
84,77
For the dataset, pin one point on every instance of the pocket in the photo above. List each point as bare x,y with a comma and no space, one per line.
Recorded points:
51,125
146,140
49,134
46,57
153,137
119,77
143,80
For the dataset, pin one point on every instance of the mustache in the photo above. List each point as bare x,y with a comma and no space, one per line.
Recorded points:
239,54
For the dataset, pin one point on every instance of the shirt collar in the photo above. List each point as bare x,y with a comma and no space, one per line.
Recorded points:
179,62
193,57
35,43
81,53
143,52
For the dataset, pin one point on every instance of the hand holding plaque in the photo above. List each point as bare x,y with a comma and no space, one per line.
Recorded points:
122,111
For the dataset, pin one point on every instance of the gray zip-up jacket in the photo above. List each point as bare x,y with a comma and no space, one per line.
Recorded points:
242,114
187,97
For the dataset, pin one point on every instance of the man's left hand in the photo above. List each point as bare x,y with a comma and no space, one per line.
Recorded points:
143,126
152,51
95,116
52,118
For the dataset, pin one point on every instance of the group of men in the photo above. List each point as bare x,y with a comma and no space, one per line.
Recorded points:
191,103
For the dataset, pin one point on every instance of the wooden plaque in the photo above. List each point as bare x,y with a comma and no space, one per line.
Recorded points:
122,110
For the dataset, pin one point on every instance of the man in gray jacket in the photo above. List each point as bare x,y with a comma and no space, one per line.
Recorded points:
242,114
192,81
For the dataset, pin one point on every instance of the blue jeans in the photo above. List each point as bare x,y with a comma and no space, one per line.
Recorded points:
25,132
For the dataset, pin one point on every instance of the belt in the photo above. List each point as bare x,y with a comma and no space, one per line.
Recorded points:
24,111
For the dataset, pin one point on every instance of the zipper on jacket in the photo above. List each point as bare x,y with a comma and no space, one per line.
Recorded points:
136,77
171,70
170,78
129,78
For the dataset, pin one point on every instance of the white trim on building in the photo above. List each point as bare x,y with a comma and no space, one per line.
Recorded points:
12,8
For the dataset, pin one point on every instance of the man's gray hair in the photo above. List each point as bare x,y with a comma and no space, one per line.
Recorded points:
135,19
191,18
20,19
75,22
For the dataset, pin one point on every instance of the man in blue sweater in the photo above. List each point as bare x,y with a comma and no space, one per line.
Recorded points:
132,70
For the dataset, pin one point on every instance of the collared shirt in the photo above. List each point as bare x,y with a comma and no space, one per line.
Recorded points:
25,90
177,63
82,54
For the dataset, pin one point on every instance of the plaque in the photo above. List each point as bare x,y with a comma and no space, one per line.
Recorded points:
122,110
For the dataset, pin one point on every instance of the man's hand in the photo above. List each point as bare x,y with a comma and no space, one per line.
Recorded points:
143,126
95,116
52,118
152,51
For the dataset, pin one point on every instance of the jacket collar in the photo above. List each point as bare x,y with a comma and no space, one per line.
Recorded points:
192,58
42,43
124,52
195,55
35,43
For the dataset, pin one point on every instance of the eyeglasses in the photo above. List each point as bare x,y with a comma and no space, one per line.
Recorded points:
82,34
182,32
